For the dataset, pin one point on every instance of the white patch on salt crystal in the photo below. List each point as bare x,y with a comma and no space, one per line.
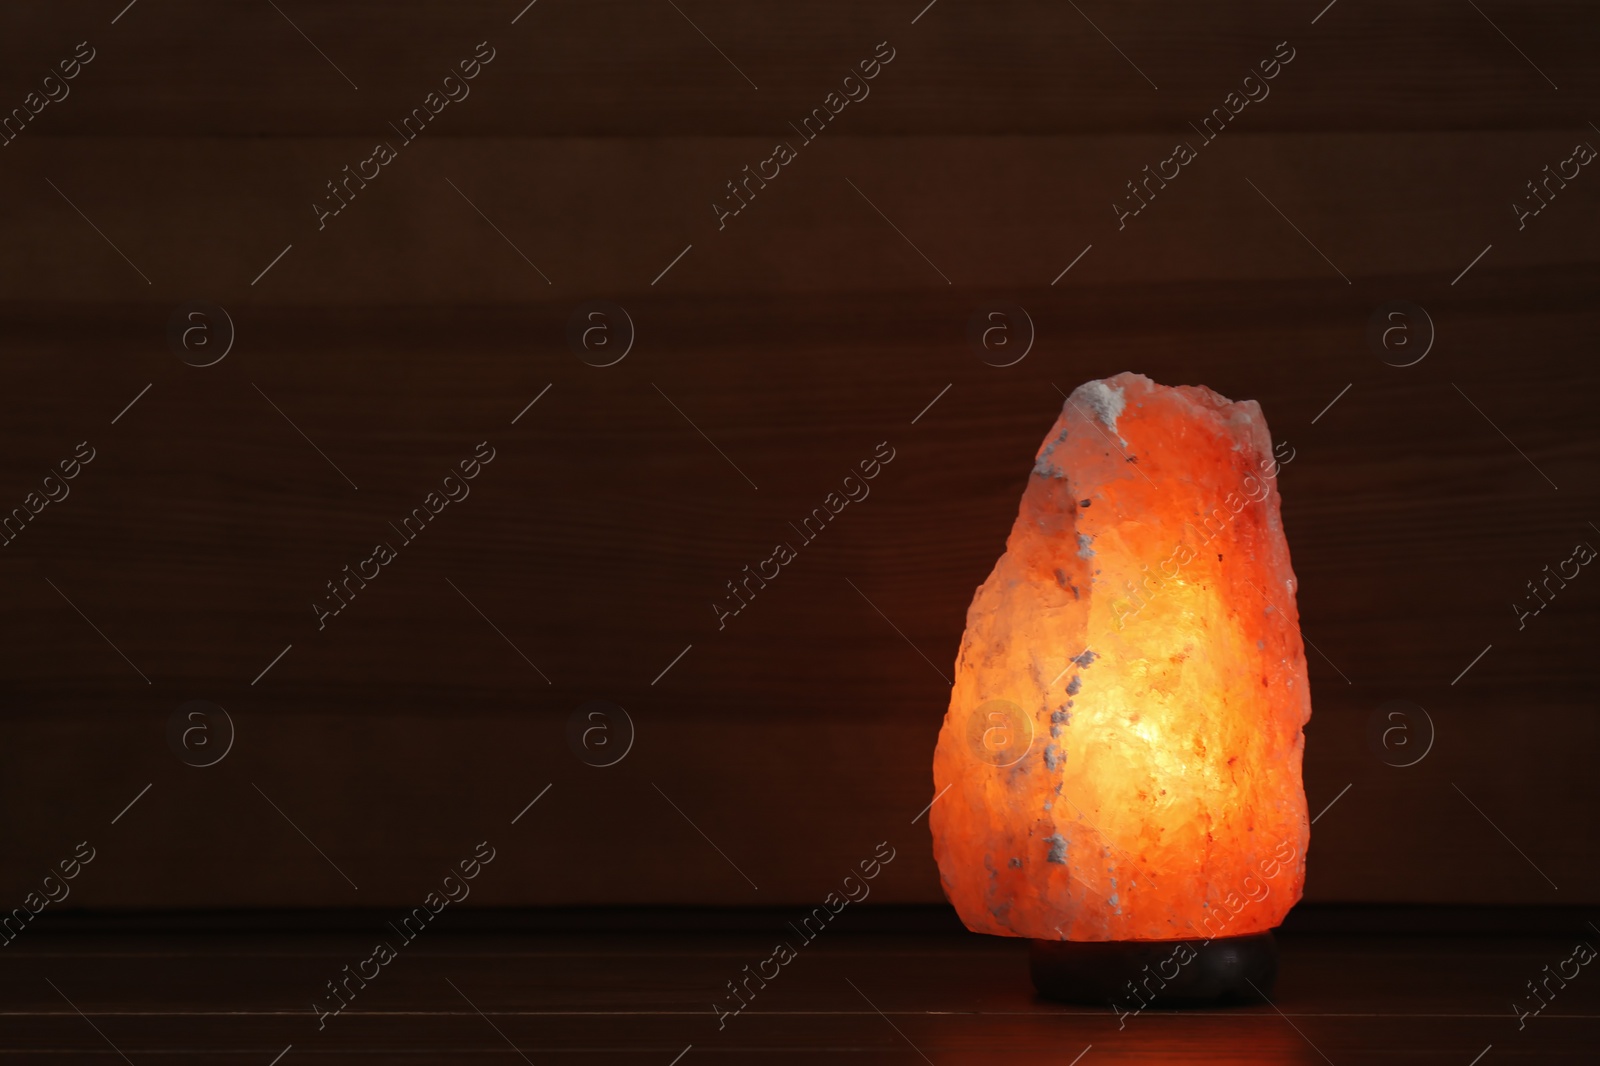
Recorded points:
1044,466
1107,401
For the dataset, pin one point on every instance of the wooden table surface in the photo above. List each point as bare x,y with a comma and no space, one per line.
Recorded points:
647,998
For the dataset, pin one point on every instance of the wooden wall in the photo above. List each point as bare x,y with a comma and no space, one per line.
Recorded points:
820,321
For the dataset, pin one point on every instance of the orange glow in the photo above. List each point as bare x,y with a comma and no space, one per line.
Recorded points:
1123,743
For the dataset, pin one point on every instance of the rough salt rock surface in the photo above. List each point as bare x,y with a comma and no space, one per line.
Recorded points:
1123,743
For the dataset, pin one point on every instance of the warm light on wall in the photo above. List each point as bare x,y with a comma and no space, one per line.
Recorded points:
1123,743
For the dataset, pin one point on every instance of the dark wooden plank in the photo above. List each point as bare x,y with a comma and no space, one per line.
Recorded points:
202,218
648,997
625,68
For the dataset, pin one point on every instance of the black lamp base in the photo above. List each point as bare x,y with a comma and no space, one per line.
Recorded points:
1131,975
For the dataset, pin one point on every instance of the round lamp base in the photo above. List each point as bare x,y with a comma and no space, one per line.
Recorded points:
1131,975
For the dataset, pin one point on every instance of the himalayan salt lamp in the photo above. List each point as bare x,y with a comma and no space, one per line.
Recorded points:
1123,743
